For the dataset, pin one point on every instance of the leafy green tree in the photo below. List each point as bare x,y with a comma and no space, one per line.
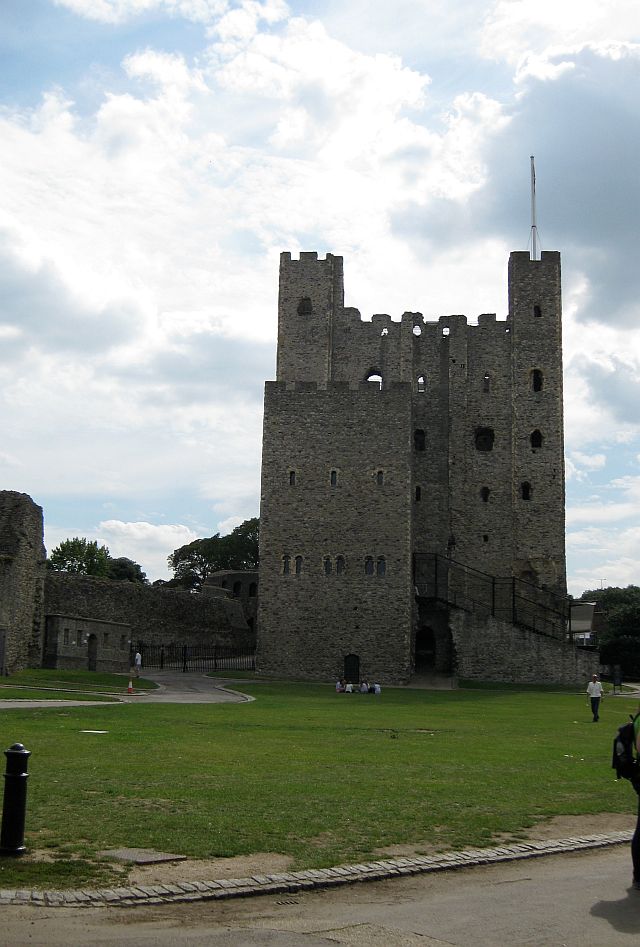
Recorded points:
80,556
126,570
620,638
192,563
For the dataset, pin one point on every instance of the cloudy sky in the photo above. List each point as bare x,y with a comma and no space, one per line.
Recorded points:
157,155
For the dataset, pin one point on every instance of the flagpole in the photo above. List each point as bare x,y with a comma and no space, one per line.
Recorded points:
534,228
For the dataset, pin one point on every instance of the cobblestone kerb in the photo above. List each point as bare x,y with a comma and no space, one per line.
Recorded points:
295,881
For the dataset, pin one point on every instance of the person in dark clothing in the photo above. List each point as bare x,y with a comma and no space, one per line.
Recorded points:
635,841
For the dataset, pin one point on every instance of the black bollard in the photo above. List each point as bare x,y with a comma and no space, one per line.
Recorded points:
14,807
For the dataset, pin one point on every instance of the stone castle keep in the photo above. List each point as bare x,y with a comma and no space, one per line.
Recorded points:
412,508
412,501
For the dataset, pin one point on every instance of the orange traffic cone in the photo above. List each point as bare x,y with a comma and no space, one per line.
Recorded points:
130,688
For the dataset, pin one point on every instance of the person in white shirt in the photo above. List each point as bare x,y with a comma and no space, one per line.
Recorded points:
594,690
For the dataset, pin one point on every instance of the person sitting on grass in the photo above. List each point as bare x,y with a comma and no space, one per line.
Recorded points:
340,685
348,688
364,687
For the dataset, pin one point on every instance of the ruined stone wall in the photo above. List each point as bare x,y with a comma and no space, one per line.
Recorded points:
22,569
335,531
156,616
490,650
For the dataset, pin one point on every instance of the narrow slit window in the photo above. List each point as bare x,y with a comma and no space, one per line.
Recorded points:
381,566
298,565
486,382
334,478
537,380
419,440
484,494
418,494
536,440
525,490
368,566
537,312
292,478
340,565
286,565
380,478
327,566
421,384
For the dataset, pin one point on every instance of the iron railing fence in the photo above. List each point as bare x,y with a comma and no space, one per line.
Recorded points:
198,657
504,598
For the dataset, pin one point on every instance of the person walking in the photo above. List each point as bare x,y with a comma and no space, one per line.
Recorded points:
594,691
635,782
137,663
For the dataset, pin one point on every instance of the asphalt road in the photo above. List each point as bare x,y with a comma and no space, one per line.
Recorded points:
577,900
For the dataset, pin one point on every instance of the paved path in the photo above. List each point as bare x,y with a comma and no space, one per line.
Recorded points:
577,900
175,688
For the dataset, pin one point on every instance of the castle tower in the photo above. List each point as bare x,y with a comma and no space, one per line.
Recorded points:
390,441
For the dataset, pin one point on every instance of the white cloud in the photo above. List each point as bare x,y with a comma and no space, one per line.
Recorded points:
119,11
514,28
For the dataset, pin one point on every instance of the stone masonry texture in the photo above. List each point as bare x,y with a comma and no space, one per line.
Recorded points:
386,441
22,571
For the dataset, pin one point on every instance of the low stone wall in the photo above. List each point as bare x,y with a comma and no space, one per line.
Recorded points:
155,615
490,650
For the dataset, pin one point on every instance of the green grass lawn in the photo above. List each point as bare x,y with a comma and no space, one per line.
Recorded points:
323,778
86,681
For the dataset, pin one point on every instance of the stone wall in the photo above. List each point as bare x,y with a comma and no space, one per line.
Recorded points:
156,616
335,532
86,645
490,650
22,570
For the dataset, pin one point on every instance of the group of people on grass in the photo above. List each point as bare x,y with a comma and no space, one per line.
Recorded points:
347,687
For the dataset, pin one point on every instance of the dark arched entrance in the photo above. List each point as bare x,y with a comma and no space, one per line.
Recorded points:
425,649
92,653
352,668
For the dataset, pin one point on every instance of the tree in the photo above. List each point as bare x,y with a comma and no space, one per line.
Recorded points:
126,570
192,563
81,556
620,638
84,557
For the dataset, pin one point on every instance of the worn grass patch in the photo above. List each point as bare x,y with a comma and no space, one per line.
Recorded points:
319,777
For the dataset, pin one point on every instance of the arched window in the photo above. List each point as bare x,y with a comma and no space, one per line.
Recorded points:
368,566
340,565
418,494
304,306
374,377
253,589
333,477
445,332
381,566
298,565
237,588
484,439
292,478
486,382
380,478
484,494
421,383
536,440
537,311
286,565
419,440
417,330
525,490
327,565
537,380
